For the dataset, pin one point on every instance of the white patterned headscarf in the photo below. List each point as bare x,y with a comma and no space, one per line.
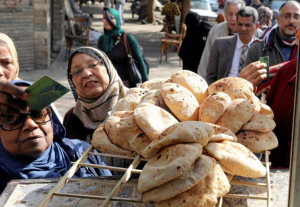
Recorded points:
93,111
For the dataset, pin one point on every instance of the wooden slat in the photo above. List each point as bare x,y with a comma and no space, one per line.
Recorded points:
64,180
98,197
124,179
245,196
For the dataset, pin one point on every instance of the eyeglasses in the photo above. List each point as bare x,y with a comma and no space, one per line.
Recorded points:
39,117
91,66
289,16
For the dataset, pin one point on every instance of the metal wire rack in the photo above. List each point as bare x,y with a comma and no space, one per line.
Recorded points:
127,174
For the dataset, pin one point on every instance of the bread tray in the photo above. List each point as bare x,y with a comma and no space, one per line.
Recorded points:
55,191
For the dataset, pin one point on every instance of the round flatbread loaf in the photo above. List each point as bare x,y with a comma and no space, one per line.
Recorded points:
152,119
213,107
204,194
155,83
130,101
180,101
255,102
257,142
193,82
222,134
198,171
182,132
154,97
238,113
235,87
168,164
259,123
237,158
103,144
266,110
125,133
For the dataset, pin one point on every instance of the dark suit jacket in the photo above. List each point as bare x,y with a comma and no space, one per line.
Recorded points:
220,59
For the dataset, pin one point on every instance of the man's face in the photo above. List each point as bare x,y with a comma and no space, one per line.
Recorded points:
231,16
287,20
246,28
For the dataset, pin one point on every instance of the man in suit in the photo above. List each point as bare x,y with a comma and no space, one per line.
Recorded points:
228,54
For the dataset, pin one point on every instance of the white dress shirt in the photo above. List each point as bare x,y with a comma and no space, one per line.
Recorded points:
234,70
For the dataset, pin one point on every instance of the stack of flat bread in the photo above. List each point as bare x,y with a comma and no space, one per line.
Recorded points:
195,136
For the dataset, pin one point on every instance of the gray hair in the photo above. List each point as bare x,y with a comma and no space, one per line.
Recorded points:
289,2
248,11
234,2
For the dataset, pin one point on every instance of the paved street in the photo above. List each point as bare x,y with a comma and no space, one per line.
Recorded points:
147,35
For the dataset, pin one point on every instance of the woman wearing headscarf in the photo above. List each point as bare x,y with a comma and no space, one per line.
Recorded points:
194,42
12,98
112,43
96,87
34,146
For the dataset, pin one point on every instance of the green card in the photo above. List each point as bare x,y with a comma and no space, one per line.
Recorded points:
44,92
265,60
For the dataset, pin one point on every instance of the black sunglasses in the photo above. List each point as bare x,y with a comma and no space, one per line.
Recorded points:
39,117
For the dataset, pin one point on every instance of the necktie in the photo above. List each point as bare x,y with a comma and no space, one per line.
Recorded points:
243,57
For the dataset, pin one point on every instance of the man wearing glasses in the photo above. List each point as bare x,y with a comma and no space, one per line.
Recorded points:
278,42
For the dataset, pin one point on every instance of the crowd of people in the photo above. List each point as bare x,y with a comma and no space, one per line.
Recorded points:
33,144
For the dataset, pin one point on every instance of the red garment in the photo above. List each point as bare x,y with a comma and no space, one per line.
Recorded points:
281,99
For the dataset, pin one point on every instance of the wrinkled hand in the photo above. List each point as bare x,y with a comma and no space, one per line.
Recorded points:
254,73
12,101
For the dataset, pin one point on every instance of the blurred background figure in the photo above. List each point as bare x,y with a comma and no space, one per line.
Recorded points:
170,10
194,42
275,15
119,7
256,4
106,3
112,44
220,18
265,16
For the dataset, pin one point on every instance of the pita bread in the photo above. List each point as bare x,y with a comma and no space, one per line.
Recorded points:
182,132
180,101
237,158
266,110
152,119
168,164
213,107
222,134
130,101
125,133
103,144
204,194
198,171
155,83
259,123
238,113
255,102
257,142
235,87
193,82
154,97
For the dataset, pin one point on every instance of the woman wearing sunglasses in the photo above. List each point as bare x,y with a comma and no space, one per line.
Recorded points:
112,44
33,146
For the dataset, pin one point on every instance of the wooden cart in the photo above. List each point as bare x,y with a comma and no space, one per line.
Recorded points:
55,191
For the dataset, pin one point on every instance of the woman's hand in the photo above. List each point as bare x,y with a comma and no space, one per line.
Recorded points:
12,101
254,73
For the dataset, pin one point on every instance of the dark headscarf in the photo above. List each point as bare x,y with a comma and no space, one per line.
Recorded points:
53,163
107,40
194,41
93,111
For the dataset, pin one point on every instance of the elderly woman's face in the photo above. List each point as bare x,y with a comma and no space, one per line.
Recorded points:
93,79
7,69
31,139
